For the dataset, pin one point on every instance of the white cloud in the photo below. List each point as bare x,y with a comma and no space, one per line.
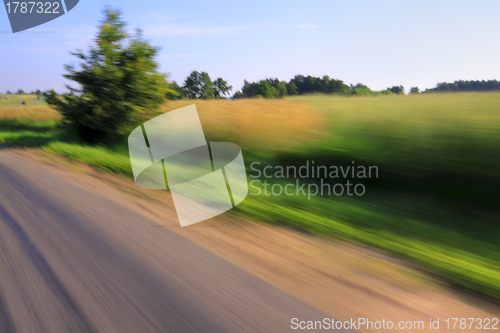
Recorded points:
307,25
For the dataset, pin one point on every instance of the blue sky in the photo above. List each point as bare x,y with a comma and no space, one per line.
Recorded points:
378,43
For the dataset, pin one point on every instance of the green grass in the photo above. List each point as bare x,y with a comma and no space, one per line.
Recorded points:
435,203
433,132
463,249
99,157
437,199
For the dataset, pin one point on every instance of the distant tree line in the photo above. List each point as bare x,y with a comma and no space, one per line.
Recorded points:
37,92
18,92
199,85
301,85
461,85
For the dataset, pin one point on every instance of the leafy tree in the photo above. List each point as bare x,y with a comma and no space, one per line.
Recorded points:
280,87
332,86
176,92
238,94
118,78
362,90
20,92
50,94
397,89
298,81
261,89
308,85
414,90
199,86
221,88
291,89
9,92
266,90
326,85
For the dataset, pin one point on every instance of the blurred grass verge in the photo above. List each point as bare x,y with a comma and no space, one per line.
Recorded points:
435,203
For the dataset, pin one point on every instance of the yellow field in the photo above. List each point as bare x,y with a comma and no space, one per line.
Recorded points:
32,113
266,124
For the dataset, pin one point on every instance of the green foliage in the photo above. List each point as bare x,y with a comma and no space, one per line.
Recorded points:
292,89
303,85
261,89
299,85
398,90
175,92
362,90
221,88
414,90
491,85
311,85
199,85
268,88
118,78
20,92
280,86
50,94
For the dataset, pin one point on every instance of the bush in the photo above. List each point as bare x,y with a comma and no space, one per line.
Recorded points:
118,79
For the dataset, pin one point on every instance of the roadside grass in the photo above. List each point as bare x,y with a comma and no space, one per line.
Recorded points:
99,157
462,249
435,202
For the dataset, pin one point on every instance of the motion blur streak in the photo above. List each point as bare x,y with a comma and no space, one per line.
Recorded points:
72,261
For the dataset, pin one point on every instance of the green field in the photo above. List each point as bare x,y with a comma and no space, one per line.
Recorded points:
12,99
435,202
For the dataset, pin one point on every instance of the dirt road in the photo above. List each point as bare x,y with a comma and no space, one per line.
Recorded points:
74,261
